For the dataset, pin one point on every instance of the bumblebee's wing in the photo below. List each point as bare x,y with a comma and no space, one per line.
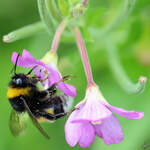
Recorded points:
17,123
34,120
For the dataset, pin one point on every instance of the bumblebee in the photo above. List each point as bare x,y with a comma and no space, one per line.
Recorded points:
24,96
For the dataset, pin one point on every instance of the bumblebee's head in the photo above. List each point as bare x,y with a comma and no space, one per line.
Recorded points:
21,79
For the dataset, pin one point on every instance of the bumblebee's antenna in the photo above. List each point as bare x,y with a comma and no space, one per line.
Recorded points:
14,68
31,70
16,64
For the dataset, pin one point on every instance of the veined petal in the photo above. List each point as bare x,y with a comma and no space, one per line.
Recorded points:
67,89
110,130
26,54
87,134
43,70
55,77
93,111
39,72
82,133
26,60
72,130
98,130
127,114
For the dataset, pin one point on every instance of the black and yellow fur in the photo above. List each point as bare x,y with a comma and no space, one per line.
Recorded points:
43,104
24,96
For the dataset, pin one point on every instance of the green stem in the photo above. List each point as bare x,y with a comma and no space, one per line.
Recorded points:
44,15
53,10
124,13
23,32
119,72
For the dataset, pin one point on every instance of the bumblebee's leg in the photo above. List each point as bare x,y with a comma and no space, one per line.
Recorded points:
47,115
42,95
61,115
52,89
45,94
52,117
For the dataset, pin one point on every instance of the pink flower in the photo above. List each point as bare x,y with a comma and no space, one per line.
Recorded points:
93,116
47,67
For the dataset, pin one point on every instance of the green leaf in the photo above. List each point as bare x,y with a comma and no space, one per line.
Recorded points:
64,7
18,123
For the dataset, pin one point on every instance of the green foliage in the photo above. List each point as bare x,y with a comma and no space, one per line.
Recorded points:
64,7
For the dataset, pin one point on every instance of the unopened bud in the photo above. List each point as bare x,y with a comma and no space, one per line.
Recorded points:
78,10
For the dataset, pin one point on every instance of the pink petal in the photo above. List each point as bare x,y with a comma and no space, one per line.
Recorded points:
98,131
55,77
72,130
25,60
79,132
26,54
127,114
39,72
67,89
110,130
93,110
87,134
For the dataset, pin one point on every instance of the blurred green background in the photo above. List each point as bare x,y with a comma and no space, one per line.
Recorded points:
132,39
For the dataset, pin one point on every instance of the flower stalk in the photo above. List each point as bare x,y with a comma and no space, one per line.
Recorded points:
84,55
23,32
58,34
119,72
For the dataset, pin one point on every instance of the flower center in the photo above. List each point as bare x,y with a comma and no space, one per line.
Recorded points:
96,122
